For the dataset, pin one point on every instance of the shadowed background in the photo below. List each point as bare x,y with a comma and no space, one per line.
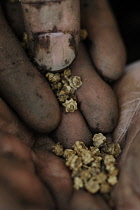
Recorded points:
128,17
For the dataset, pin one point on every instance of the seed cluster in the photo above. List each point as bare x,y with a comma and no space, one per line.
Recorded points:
94,168
64,86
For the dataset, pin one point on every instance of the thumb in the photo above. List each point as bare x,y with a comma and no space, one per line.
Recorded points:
53,29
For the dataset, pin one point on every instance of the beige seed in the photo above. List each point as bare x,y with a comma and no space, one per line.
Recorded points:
75,82
112,180
70,105
78,183
58,149
98,139
92,186
105,187
83,34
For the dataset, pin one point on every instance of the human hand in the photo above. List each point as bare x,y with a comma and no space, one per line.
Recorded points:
106,48
53,28
98,110
52,170
127,133
46,119
88,200
97,104
31,176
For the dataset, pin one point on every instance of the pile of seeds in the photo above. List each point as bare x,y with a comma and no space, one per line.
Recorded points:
94,168
64,86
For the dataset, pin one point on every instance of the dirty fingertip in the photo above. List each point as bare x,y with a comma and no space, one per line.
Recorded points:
53,34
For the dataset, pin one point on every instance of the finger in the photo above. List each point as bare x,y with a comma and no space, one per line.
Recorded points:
128,93
82,200
126,193
56,176
53,30
10,124
107,49
11,145
17,173
23,87
44,143
96,99
12,11
8,200
72,128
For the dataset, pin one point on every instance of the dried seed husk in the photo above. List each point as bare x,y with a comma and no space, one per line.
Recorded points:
58,149
83,34
70,105
92,186
98,140
93,168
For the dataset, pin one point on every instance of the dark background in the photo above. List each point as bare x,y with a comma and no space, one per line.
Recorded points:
127,14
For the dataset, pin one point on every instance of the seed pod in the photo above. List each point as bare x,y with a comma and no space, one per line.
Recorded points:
98,139
70,105
58,149
78,183
75,82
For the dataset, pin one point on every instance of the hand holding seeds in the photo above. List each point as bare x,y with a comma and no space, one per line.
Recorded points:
31,176
53,45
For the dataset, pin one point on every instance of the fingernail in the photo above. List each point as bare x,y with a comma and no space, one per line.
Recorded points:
55,51
53,29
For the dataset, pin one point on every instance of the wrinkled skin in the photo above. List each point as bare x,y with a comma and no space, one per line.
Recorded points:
26,160
31,177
